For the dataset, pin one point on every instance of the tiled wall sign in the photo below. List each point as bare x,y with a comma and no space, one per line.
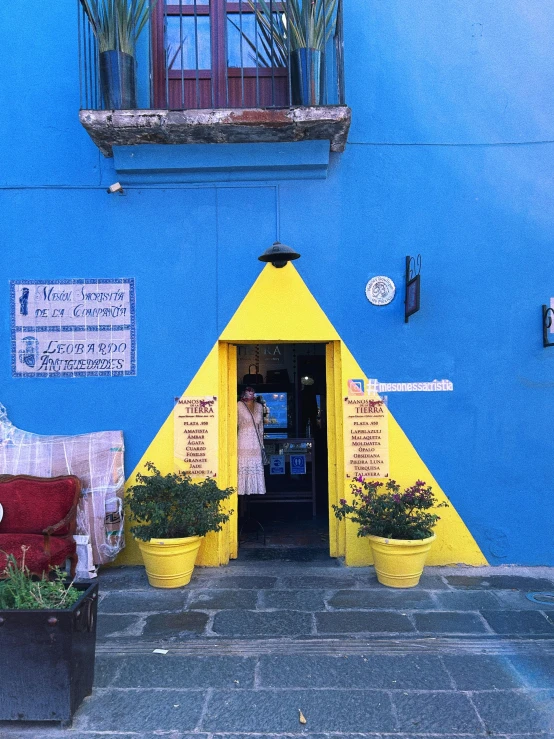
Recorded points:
73,328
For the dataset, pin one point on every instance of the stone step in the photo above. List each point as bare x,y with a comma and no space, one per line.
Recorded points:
486,644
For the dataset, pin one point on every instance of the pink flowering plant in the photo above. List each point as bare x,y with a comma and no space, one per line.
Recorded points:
391,513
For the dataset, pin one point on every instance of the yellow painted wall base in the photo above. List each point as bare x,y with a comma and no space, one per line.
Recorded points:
454,544
215,547
257,321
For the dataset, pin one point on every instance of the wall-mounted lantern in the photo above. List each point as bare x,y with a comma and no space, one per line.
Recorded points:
413,286
547,317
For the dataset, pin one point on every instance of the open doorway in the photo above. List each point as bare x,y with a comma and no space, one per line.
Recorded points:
291,519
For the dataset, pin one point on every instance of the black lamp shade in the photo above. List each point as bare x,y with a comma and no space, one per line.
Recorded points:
279,254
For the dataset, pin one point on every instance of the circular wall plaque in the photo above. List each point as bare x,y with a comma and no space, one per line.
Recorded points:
380,290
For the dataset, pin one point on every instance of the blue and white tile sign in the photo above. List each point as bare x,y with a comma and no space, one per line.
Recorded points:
73,328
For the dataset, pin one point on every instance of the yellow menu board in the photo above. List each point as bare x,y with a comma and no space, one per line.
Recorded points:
366,437
196,435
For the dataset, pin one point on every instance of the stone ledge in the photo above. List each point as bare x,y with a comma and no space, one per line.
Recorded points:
108,128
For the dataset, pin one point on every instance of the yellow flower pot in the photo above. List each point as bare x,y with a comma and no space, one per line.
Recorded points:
169,562
399,562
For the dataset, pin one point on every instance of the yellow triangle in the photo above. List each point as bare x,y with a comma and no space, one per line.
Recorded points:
454,544
280,308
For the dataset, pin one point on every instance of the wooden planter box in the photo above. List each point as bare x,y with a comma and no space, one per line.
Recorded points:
47,660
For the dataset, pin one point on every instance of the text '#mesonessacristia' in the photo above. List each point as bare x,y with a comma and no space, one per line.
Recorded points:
374,386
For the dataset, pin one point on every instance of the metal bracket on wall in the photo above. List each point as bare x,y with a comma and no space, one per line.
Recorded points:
413,285
547,317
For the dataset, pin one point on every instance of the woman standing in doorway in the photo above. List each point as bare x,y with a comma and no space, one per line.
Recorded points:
250,421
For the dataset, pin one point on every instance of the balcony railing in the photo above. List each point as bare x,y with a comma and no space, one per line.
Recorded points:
214,54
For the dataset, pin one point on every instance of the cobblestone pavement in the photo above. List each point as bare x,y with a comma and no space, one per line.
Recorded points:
466,654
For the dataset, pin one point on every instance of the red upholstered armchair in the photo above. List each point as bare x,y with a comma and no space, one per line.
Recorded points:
39,513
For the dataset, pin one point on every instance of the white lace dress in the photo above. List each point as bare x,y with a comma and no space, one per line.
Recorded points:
251,468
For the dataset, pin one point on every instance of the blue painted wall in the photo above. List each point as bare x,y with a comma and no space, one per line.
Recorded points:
450,155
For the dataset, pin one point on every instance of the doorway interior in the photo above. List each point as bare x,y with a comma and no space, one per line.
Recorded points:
291,519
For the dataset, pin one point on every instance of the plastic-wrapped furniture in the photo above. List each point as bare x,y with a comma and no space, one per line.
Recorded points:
39,513
95,458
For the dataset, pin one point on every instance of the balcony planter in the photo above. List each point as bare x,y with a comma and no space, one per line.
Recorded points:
47,659
300,32
117,25
306,77
118,80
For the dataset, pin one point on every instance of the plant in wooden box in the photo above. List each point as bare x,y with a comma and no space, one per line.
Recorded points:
47,642
117,25
398,525
297,30
171,515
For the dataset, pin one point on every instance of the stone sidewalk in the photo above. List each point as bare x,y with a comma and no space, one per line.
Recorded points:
466,654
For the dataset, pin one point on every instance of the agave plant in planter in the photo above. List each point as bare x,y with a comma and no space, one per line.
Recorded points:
171,514
117,25
300,32
398,525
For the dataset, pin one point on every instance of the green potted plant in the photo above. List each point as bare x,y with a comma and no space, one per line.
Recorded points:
171,514
117,25
301,29
47,643
398,525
